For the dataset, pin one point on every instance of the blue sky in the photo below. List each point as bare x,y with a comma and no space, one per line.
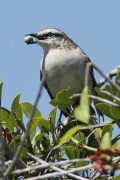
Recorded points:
94,25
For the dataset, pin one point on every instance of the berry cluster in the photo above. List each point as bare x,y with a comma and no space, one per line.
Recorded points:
103,157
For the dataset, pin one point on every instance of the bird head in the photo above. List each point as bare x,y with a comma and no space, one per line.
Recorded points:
48,38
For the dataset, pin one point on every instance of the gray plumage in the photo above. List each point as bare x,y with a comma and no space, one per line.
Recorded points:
63,64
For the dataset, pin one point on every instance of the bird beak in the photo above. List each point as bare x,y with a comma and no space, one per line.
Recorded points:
32,35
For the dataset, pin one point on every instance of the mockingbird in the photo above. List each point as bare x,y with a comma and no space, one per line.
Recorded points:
63,64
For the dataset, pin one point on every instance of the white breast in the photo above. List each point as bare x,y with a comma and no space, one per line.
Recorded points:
64,69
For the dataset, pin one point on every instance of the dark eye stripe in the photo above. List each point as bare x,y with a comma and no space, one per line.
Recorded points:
50,34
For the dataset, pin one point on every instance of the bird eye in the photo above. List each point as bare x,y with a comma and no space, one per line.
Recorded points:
48,35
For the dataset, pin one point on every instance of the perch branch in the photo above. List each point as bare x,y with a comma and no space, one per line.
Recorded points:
107,77
48,165
50,175
54,168
98,99
110,75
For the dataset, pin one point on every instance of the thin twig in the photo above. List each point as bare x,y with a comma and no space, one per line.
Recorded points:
54,138
54,168
50,175
98,99
28,169
7,163
96,125
17,154
116,86
93,175
51,153
16,172
110,74
111,95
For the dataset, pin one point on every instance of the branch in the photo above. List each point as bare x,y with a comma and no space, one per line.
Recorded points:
48,165
111,95
17,154
50,175
110,75
97,125
62,173
55,168
107,77
98,99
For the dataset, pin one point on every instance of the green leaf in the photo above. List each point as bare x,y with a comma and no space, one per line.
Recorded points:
62,100
73,152
81,164
15,141
105,96
1,85
115,112
24,152
80,137
69,134
82,112
68,126
70,152
45,141
98,132
16,108
118,95
106,136
117,79
45,124
114,91
13,121
116,139
27,108
36,138
116,178
52,116
42,123
5,120
115,145
107,88
92,142
105,109
39,121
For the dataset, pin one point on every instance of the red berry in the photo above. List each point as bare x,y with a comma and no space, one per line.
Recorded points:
93,157
6,135
103,159
99,161
105,151
97,153
117,151
100,169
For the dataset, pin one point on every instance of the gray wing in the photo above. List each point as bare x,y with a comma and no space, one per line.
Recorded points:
46,86
41,76
92,74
